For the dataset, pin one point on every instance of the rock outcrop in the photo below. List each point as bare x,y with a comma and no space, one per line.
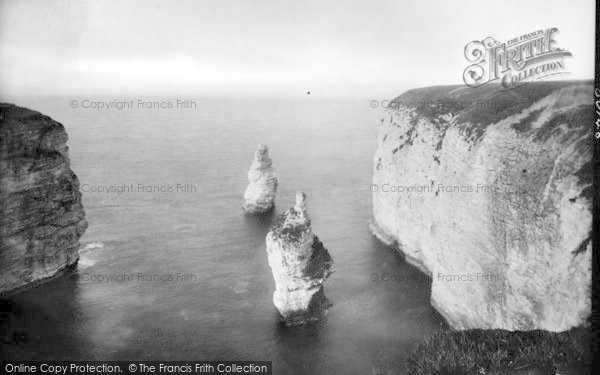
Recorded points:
42,218
300,265
489,191
260,193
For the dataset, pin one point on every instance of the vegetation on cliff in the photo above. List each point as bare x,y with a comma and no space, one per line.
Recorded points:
498,351
477,108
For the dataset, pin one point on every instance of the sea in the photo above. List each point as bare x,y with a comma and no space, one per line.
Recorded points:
172,269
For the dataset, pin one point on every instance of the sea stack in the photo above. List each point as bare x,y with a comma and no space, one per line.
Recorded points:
300,264
41,216
260,193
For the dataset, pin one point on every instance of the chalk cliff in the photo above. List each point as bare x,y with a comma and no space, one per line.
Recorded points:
42,218
260,193
300,264
489,191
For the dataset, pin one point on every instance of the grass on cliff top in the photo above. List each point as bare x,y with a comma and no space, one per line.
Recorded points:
11,112
486,104
488,351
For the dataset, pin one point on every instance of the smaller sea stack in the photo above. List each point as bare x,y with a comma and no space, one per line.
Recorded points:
260,193
300,264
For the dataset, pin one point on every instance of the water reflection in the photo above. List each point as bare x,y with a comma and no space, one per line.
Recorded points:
44,319
228,312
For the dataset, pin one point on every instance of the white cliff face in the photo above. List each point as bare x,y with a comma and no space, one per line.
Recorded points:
300,264
260,193
493,203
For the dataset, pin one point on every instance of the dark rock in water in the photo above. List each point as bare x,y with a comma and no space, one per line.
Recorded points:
300,264
42,216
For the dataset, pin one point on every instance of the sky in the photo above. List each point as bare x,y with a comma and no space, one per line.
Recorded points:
331,48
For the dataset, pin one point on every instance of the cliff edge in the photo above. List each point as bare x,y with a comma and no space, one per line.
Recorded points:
489,191
42,217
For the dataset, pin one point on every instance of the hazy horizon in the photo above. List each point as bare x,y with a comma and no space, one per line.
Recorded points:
262,49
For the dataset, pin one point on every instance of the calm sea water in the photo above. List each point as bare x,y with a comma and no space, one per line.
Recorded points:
221,308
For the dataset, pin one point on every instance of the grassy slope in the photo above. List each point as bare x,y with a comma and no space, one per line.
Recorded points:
487,351
505,102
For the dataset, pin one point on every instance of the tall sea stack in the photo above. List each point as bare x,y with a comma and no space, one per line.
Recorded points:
42,218
300,264
260,193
